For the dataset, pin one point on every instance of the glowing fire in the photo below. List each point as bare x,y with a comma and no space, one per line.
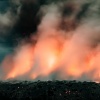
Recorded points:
47,63
46,57
55,55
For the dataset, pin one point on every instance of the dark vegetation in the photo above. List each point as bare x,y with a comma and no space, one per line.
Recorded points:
49,90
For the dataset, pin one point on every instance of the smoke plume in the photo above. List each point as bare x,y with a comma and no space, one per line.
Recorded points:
51,40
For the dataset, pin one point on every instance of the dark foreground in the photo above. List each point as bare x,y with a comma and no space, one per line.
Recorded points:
50,90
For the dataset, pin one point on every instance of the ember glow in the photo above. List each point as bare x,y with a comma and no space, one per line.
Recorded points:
58,51
46,57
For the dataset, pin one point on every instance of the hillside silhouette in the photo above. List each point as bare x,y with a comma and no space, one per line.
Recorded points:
49,90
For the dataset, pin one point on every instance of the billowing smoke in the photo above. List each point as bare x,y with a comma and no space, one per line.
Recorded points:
52,40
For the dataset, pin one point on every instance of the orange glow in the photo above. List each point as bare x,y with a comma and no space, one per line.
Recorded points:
22,63
74,70
48,64
48,56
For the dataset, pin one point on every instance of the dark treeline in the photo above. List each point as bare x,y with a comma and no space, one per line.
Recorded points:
49,90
